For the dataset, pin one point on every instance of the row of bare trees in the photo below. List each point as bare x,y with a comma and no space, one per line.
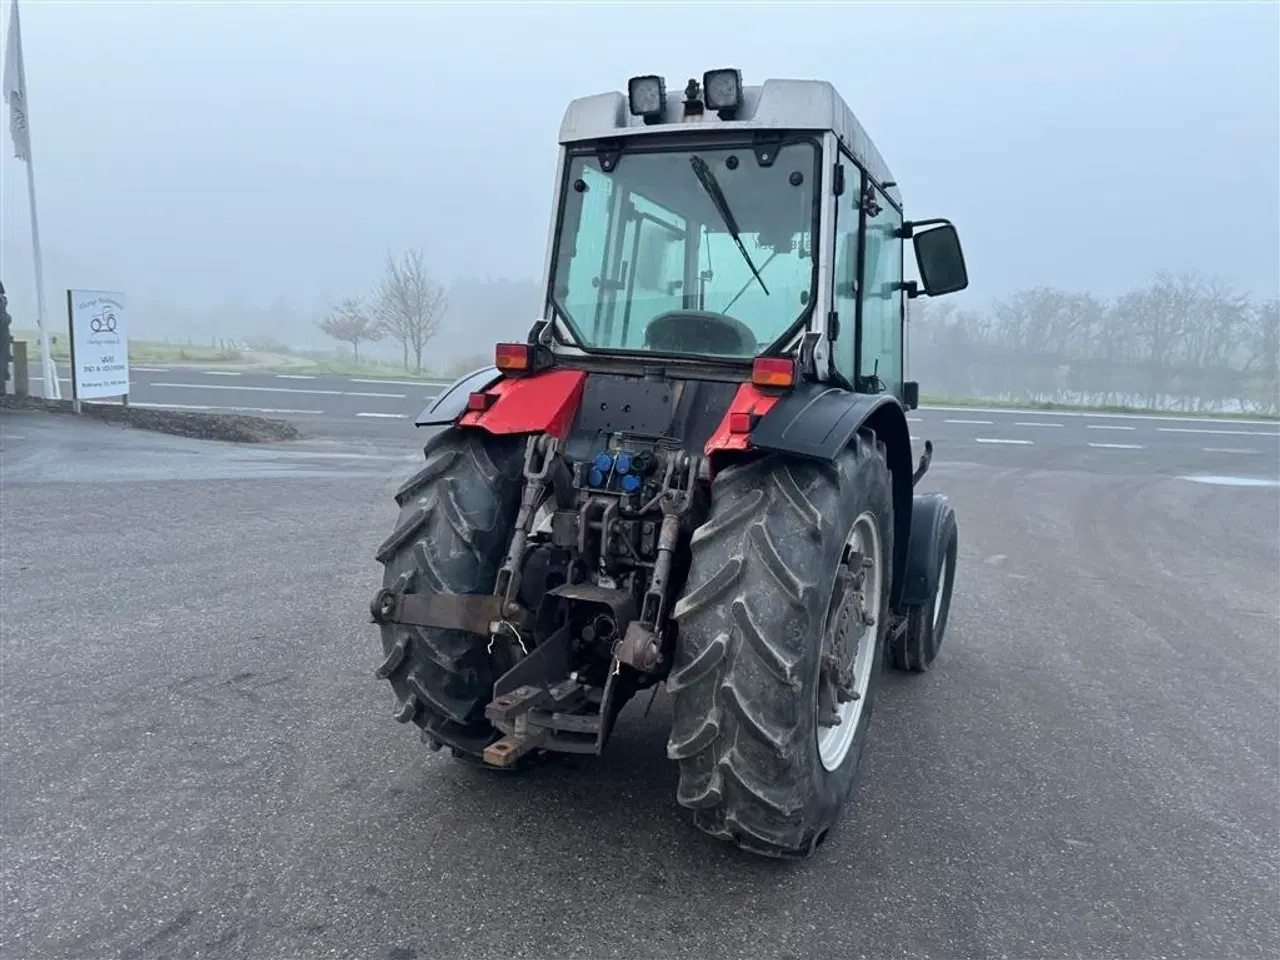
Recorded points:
1182,342
406,306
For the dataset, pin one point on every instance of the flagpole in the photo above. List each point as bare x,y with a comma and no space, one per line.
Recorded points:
52,389
16,89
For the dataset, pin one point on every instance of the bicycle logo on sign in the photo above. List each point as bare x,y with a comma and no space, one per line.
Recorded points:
104,322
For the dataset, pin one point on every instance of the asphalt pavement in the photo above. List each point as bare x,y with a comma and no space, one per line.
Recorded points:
196,760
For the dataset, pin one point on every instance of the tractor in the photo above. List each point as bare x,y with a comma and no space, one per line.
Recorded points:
695,471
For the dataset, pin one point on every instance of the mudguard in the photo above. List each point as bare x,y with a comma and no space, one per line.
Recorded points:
530,403
932,521
451,402
817,421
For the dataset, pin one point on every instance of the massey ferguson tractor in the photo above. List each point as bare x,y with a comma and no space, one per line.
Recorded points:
695,471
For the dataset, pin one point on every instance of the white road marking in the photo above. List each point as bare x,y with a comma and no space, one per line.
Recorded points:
12,436
198,406
328,393
221,373
148,369
305,455
1020,423
1235,481
398,383
295,376
1107,426
41,379
1089,414
985,423
1234,433
914,420
1002,440
1117,446
1229,450
917,439
388,416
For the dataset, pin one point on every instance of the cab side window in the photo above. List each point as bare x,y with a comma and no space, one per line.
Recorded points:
845,297
881,297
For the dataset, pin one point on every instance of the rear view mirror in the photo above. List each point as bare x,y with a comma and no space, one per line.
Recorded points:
940,260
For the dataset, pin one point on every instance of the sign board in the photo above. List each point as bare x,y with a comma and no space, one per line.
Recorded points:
99,344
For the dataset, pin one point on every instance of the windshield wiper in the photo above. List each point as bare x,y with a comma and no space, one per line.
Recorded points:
712,186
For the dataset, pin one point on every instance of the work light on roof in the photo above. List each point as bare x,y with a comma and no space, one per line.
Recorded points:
722,91
647,97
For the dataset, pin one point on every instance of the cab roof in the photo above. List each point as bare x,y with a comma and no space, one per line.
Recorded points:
812,105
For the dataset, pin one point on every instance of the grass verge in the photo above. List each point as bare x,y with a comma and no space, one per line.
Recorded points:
1050,406
140,351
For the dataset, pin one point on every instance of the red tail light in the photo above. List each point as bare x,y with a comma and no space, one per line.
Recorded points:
773,372
511,357
479,402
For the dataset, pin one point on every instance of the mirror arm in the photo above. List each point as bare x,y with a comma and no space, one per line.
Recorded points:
911,288
908,229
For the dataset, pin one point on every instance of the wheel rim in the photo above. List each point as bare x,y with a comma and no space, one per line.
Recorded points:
849,643
939,593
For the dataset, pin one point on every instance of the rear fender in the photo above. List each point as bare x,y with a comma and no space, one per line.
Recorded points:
816,421
451,402
932,521
532,403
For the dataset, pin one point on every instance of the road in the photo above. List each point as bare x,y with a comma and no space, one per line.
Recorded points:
196,760
378,410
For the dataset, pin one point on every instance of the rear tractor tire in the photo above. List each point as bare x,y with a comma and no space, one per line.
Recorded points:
456,517
793,561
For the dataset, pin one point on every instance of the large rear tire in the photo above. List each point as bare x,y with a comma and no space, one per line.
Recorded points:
755,622
456,517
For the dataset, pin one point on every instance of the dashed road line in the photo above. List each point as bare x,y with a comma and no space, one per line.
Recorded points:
327,393
1229,450
1023,443
1107,426
398,383
1021,423
295,376
142,369
200,406
1233,433
984,423
1116,446
325,455
385,416
221,373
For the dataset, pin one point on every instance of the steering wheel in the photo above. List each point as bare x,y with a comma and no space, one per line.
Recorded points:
699,332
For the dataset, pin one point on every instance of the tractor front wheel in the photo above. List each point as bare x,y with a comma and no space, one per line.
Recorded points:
782,629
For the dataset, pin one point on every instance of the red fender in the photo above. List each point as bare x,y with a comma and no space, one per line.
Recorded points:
534,403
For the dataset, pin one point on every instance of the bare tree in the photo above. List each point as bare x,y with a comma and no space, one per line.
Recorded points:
409,305
350,323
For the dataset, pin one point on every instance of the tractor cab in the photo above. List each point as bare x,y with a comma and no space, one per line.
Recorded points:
726,223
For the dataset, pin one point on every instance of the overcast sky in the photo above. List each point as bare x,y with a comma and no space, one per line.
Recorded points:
251,150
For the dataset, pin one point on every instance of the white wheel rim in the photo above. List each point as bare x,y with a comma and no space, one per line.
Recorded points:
937,595
835,741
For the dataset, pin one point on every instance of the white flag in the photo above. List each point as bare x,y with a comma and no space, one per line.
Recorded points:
15,89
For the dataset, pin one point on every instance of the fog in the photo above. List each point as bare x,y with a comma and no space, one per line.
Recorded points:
238,168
